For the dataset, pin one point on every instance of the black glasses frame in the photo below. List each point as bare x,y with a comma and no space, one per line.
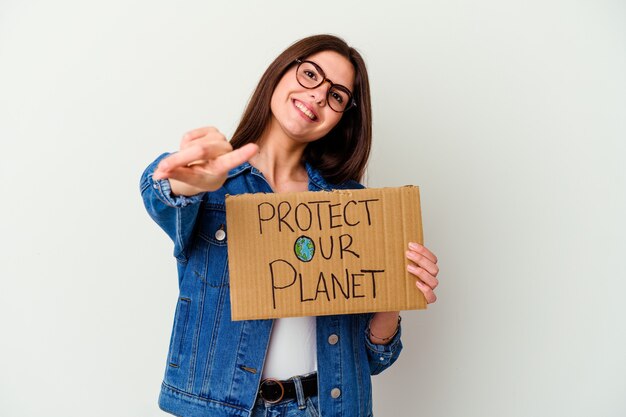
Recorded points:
351,100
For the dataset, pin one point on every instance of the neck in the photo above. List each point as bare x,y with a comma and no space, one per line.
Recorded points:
280,160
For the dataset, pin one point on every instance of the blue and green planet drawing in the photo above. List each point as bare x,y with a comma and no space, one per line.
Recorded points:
304,248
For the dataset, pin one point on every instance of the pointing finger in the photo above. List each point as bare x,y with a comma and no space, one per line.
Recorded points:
230,160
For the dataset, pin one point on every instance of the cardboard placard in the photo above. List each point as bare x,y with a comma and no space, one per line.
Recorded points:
320,253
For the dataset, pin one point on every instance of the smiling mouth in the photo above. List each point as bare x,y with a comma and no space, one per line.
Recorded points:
304,109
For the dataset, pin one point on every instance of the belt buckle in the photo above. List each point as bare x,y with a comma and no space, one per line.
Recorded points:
275,381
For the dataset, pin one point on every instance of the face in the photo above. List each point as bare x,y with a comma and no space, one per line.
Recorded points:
303,114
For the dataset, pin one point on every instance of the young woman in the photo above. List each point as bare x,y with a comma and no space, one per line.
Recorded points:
307,127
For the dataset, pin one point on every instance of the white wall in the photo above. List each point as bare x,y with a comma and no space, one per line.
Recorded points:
510,115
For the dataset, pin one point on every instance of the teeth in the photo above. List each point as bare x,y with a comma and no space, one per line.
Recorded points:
304,110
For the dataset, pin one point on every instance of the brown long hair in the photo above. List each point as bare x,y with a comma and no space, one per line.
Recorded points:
343,153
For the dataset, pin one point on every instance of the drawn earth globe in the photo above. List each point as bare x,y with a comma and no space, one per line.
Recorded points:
304,248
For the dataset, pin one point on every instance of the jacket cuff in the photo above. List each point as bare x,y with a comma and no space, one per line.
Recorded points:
385,354
163,188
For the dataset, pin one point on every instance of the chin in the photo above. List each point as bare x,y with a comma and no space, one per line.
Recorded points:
297,135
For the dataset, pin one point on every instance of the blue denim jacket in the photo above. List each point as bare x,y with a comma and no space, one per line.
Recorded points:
214,364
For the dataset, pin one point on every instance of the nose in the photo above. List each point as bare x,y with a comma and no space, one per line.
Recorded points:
320,92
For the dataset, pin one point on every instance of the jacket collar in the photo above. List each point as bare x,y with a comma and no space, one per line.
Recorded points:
315,178
238,170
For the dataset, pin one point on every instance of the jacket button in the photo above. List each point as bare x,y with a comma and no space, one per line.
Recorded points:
335,392
220,234
333,339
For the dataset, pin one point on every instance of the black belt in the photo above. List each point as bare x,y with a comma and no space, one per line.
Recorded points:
273,390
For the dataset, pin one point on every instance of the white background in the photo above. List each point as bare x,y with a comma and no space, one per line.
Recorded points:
510,116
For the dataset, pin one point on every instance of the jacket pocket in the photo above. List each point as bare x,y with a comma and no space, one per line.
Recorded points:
213,224
211,266
181,319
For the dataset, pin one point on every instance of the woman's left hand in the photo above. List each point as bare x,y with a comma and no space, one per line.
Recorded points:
423,264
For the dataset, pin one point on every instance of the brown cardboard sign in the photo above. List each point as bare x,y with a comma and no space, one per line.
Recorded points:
320,253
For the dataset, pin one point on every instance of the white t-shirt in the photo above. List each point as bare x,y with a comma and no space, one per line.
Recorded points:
293,348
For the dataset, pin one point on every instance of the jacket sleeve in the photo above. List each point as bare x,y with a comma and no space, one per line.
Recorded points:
382,357
176,215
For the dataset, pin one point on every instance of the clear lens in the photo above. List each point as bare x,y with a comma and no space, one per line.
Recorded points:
309,76
338,99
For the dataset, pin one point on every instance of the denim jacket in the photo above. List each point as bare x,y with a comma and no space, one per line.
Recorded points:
214,364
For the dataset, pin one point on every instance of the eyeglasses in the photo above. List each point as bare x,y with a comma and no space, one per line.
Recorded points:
310,75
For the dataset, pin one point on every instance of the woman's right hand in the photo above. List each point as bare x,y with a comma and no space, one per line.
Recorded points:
203,162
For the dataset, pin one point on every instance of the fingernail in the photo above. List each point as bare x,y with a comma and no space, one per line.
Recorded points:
413,245
411,268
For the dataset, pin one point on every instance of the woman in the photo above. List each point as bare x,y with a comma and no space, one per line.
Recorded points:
307,127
